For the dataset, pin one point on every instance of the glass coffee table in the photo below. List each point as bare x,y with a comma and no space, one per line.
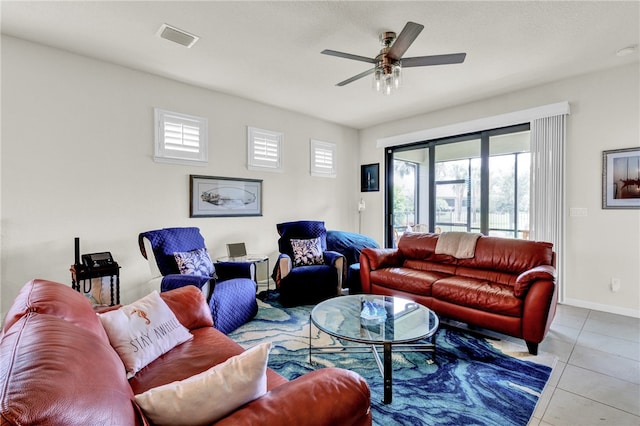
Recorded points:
373,321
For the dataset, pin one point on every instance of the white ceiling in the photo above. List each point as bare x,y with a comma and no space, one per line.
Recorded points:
269,51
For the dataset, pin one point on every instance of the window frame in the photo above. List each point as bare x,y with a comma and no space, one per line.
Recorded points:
162,150
264,164
317,148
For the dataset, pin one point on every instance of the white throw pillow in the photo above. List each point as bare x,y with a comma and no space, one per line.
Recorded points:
142,331
208,396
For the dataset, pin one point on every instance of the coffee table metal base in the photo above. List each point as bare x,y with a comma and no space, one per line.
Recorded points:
384,365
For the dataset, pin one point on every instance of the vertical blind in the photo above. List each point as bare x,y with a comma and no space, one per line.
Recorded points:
548,137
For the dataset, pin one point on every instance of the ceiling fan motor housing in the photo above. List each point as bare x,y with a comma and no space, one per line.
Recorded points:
386,38
385,62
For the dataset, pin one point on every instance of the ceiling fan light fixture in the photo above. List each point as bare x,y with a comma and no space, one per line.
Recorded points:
397,75
377,79
387,79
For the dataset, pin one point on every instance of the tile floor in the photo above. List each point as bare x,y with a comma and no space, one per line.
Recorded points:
596,380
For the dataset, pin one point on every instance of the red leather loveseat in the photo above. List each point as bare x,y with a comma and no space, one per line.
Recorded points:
507,286
58,368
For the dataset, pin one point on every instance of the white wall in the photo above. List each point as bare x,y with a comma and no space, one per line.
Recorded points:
76,161
77,150
605,114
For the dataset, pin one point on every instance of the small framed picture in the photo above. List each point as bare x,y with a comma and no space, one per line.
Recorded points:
621,179
213,196
369,174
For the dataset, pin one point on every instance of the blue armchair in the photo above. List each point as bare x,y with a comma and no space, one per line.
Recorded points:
306,272
178,257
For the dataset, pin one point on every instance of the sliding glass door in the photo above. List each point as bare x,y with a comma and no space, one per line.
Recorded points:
457,186
471,183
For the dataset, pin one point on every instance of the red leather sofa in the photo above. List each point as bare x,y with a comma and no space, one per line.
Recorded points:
58,368
508,286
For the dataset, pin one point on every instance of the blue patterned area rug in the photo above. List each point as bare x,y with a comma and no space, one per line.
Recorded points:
471,383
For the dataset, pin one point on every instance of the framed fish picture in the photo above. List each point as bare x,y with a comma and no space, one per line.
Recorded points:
621,179
215,196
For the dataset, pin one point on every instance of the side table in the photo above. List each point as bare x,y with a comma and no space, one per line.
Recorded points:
81,277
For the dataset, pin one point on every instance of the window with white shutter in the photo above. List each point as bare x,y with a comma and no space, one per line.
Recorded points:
323,158
264,149
180,138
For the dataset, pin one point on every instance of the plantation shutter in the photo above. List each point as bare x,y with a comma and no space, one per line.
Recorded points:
323,159
180,138
264,149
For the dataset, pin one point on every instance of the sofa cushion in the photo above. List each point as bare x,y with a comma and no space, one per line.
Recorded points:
493,276
478,294
53,372
406,279
417,245
171,367
509,255
36,296
189,305
210,395
429,265
142,331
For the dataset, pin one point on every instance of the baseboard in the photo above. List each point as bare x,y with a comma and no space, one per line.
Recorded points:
603,308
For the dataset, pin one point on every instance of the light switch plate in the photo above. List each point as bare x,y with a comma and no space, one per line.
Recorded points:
578,212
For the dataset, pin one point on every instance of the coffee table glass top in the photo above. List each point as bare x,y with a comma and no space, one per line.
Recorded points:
374,319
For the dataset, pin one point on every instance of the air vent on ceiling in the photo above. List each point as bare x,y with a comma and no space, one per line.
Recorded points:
176,35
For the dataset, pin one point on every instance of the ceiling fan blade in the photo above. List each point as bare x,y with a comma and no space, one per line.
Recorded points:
422,61
356,77
348,56
408,35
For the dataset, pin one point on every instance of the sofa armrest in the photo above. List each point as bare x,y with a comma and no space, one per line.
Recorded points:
381,258
539,310
525,279
335,397
375,258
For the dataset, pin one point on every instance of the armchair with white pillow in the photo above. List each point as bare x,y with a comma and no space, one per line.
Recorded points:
179,257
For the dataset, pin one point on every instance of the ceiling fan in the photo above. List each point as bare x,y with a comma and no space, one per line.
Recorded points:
389,62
